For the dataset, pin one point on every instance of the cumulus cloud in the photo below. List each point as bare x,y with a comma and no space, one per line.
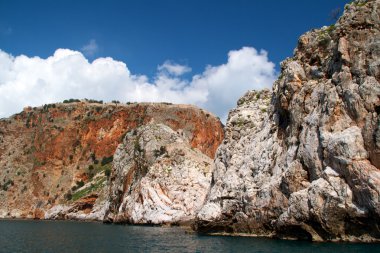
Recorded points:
173,68
246,69
90,48
68,74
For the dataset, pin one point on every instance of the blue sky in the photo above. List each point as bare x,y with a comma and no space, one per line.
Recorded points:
145,35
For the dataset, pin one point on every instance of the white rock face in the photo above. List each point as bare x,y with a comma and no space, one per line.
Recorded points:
157,178
90,208
303,162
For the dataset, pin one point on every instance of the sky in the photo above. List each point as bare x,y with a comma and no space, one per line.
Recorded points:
202,52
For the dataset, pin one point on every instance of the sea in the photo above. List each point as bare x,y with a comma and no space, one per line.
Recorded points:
74,236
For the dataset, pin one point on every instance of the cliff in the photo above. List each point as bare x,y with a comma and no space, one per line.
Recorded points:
56,160
157,178
303,160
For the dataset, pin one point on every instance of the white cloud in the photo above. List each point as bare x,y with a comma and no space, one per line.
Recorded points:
68,74
90,48
173,68
246,69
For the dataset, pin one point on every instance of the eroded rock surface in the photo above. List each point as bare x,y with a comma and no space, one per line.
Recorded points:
55,160
308,165
157,178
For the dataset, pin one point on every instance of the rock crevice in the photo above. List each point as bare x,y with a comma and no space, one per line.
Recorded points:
56,160
309,167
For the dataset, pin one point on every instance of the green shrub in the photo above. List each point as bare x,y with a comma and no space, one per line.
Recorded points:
80,184
68,196
106,160
7,184
330,28
84,192
359,3
107,172
93,101
91,172
92,156
71,100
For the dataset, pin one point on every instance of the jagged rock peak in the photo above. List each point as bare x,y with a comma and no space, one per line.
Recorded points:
311,170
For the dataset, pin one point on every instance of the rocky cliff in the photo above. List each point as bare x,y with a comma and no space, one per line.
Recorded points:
157,178
56,160
303,160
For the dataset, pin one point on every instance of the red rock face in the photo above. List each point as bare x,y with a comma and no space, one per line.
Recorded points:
47,149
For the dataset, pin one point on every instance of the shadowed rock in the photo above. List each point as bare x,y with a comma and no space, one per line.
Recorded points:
303,162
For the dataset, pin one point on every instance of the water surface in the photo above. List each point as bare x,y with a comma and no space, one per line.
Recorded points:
70,236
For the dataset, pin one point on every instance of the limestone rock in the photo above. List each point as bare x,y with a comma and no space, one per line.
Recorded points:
157,178
308,165
55,160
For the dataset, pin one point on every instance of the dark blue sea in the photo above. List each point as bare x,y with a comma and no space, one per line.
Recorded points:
71,237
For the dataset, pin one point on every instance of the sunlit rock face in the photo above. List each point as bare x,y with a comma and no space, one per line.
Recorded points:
303,160
56,160
157,178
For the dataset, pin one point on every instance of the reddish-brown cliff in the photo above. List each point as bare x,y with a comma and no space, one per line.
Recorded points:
46,151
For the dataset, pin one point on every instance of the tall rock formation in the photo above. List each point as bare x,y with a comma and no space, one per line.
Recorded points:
157,178
56,160
303,162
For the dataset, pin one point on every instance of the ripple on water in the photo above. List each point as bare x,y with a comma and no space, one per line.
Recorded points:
69,236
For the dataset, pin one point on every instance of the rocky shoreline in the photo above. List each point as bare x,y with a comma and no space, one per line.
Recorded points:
61,160
300,161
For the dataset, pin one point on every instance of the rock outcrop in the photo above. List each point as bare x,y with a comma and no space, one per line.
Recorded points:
157,178
300,161
303,162
56,160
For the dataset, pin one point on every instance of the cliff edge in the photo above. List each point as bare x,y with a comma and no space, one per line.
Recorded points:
303,160
56,160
